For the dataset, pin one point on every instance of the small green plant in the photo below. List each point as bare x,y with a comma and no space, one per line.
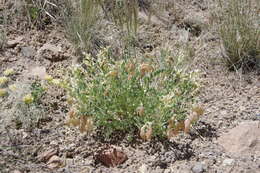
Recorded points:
27,109
239,32
21,100
130,95
37,91
41,12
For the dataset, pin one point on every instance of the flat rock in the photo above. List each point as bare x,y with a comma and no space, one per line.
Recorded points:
46,155
52,52
16,171
243,140
198,168
13,43
143,169
38,71
28,51
228,162
50,47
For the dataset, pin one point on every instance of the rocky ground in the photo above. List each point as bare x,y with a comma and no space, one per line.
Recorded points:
225,140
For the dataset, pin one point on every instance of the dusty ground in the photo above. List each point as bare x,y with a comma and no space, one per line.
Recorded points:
229,98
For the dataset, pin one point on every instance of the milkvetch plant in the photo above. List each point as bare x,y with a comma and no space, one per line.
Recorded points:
129,95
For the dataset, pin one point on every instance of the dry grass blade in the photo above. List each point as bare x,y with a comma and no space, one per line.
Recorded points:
239,31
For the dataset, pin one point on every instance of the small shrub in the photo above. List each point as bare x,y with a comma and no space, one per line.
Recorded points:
26,108
239,32
21,101
129,95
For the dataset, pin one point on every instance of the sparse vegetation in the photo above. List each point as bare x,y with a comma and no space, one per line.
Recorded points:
239,32
22,101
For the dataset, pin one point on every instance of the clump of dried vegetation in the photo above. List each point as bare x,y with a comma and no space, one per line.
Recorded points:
239,31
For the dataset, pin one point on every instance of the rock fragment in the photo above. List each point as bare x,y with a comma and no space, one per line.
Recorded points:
28,51
14,43
198,168
111,157
55,162
45,156
228,162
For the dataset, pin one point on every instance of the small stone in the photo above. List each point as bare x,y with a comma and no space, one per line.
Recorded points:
198,168
13,43
111,156
17,171
157,170
52,52
184,36
143,169
38,71
228,162
54,143
45,156
51,48
55,162
84,170
167,171
28,51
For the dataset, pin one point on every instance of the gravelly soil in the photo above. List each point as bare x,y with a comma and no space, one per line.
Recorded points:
228,98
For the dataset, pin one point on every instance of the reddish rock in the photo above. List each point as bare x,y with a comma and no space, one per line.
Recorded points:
111,157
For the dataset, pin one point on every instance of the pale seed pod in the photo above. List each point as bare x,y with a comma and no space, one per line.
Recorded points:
86,124
146,132
140,110
130,67
145,68
187,125
174,128
3,92
112,74
198,110
70,100
75,122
